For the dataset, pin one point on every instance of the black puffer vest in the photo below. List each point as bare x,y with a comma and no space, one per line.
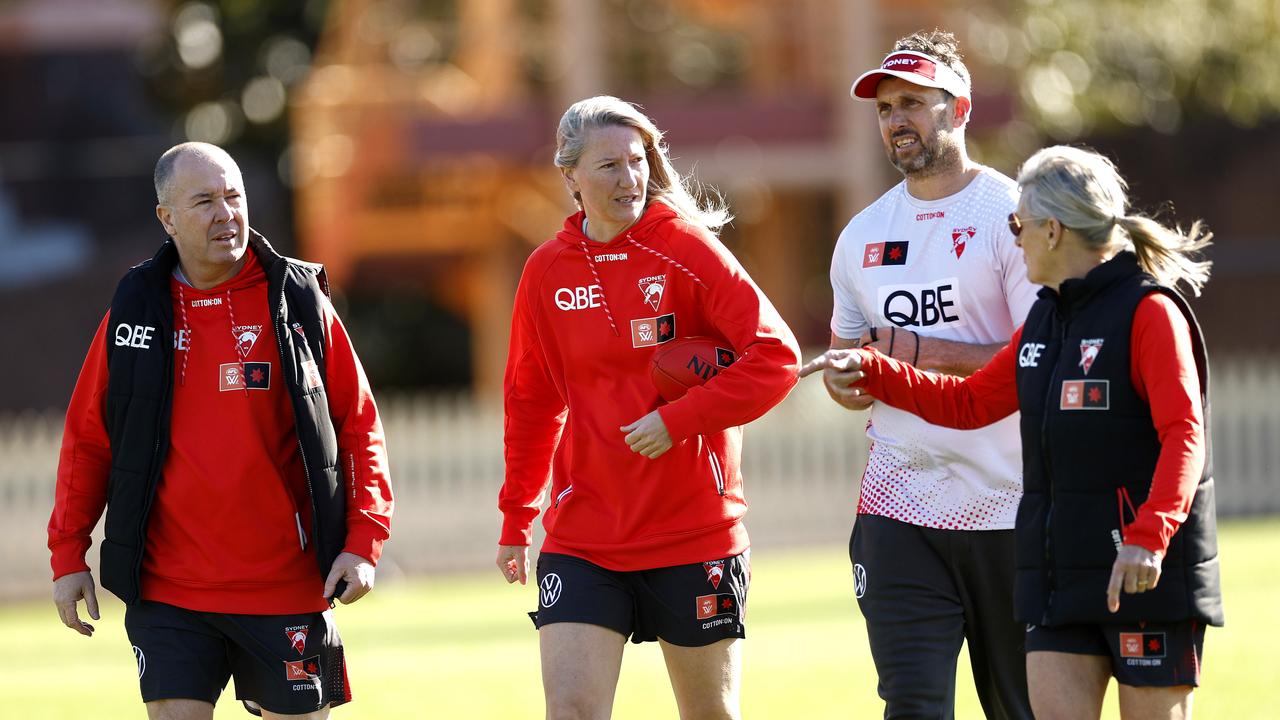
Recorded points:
140,339
1089,452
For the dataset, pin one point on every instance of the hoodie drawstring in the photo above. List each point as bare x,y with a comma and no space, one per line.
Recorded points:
603,300
184,330
240,354
668,260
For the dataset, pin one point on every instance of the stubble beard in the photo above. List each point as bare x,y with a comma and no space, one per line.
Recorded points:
937,156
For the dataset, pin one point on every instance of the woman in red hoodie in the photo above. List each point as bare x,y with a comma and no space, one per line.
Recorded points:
644,532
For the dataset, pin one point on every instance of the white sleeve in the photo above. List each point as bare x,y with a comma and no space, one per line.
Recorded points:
1019,292
847,320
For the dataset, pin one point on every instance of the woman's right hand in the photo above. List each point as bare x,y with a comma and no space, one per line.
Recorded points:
513,561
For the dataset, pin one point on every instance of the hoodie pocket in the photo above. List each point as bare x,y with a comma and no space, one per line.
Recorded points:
563,494
717,472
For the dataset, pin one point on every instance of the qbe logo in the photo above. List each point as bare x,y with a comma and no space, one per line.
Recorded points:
134,336
549,589
926,305
578,298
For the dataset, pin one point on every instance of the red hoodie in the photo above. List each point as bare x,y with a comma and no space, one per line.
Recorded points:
223,533
587,318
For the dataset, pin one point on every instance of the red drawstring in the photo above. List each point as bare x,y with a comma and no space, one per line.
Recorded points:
240,354
1122,502
603,299
669,261
182,309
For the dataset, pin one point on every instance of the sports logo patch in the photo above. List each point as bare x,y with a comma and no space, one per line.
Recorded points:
710,606
725,357
1085,395
141,657
885,253
959,236
311,375
859,580
1142,645
715,572
239,376
1089,350
305,669
652,288
297,327
246,337
549,589
297,635
646,332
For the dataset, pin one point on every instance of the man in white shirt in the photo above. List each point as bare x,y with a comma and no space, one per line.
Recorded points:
929,274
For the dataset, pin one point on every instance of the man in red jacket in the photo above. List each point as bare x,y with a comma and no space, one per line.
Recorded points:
224,422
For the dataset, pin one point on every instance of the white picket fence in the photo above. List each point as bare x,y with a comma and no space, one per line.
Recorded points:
801,464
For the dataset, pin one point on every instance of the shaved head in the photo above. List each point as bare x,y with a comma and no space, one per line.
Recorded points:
164,166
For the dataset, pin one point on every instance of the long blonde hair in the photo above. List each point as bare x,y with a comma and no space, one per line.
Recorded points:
665,184
1083,190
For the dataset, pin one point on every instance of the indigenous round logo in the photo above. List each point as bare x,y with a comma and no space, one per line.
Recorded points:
859,580
549,589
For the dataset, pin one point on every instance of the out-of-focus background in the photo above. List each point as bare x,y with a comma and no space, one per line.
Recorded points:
407,145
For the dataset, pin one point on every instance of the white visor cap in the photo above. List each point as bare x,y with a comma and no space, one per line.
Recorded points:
914,67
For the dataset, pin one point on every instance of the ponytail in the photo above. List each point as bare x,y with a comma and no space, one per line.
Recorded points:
1166,253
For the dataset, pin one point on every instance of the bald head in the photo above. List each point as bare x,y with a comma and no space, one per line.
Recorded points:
194,150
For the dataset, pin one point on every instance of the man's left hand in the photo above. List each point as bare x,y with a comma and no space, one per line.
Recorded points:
1136,570
358,573
648,435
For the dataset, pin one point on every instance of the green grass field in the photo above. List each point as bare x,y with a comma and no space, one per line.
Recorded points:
462,647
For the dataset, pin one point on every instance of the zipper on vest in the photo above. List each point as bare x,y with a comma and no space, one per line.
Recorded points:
302,451
1048,472
154,479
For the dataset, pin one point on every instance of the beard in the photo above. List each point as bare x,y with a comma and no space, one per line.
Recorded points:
935,155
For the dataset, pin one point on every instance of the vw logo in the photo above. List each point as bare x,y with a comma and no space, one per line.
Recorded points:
859,580
142,660
549,590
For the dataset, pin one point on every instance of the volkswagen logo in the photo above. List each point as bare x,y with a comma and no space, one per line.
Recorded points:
549,590
859,580
142,660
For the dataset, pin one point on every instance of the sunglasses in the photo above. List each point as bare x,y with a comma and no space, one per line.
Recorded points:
1015,224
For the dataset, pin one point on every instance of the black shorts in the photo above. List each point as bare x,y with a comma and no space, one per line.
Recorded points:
688,605
287,664
1142,654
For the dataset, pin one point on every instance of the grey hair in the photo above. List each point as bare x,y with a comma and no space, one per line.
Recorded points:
1083,190
665,184
164,166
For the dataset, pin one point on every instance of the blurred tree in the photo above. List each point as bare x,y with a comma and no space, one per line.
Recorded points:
1091,65
225,69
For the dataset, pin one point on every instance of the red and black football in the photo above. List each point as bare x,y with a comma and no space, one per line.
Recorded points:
688,362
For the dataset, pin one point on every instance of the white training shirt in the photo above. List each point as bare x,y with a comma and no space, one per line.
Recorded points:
949,269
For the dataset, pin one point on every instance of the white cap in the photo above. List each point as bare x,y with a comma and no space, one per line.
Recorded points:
914,67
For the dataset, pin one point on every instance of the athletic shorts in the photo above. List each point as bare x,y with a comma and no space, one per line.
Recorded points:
688,605
1142,654
287,664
